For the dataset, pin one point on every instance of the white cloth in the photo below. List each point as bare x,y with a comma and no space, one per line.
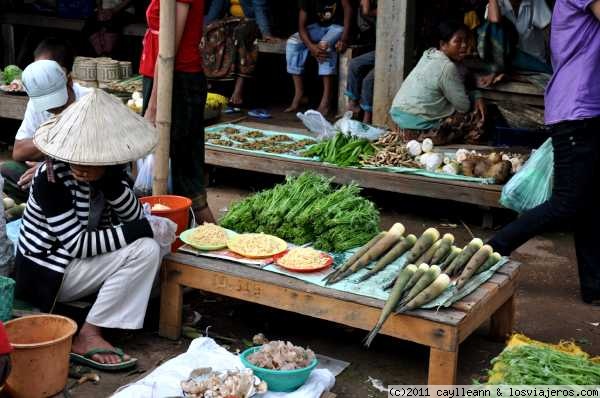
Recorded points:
203,352
33,119
534,16
123,280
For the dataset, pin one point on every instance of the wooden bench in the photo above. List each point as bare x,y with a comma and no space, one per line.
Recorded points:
519,92
343,65
442,330
11,19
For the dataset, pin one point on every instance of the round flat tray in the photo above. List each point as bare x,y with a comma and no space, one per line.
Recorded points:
185,237
282,247
328,264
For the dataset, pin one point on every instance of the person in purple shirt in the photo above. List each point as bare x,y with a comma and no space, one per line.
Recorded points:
573,116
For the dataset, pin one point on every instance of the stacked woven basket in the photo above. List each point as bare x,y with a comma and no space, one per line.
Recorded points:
100,72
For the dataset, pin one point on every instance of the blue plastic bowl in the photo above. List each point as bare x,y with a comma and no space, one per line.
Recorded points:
279,380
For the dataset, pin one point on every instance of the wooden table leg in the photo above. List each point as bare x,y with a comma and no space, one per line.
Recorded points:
503,320
171,306
442,367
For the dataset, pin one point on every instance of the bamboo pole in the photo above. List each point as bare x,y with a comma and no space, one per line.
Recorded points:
166,60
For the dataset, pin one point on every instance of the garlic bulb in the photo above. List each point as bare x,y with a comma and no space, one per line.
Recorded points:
427,145
432,161
451,168
414,148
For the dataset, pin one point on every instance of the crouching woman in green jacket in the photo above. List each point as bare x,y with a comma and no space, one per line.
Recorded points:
433,102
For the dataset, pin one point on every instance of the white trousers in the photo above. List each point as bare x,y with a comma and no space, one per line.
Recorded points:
123,280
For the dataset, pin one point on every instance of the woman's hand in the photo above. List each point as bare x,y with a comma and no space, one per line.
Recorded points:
481,108
87,173
319,53
27,177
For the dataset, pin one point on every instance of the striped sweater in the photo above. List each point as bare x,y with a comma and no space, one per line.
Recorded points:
55,229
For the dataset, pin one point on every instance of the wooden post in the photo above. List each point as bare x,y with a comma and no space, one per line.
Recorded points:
395,30
166,61
8,42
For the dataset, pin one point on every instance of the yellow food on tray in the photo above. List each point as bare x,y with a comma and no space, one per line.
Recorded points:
208,235
256,245
303,258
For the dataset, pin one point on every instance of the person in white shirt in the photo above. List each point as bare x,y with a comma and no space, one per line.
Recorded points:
18,173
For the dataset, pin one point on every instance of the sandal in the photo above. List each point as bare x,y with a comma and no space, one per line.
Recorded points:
86,359
259,114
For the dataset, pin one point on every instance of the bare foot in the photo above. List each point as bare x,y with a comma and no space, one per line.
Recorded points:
294,106
324,110
236,100
90,338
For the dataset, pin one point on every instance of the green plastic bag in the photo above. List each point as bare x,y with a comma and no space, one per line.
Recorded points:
532,185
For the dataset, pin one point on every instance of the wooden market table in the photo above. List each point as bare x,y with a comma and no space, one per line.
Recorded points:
485,195
442,330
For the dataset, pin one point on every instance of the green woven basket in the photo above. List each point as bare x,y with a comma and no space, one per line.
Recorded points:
7,296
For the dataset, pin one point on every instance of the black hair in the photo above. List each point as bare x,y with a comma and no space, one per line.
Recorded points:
58,50
449,28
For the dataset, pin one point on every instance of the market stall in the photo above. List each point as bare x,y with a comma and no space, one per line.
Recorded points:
442,330
312,248
405,176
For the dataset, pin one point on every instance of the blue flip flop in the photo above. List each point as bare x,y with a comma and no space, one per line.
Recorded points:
259,114
230,110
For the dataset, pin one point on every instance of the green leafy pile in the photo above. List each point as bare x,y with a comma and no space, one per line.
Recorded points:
307,209
534,365
342,150
12,72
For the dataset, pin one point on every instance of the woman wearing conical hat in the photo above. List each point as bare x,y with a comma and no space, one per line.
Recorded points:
84,232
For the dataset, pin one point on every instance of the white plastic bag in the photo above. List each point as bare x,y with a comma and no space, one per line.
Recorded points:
317,124
143,181
6,246
164,230
358,129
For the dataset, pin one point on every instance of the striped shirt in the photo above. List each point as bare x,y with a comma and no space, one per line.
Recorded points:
55,226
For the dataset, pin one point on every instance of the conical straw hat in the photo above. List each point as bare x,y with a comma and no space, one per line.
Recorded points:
97,130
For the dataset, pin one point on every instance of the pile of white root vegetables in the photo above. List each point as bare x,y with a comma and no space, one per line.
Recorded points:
430,263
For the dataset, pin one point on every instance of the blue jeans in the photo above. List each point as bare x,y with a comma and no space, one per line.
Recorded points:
361,80
296,51
573,204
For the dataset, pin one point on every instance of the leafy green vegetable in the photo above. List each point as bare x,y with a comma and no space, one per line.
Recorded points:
342,150
12,72
308,209
534,365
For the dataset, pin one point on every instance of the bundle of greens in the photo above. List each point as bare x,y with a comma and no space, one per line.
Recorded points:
307,209
342,150
10,73
537,365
